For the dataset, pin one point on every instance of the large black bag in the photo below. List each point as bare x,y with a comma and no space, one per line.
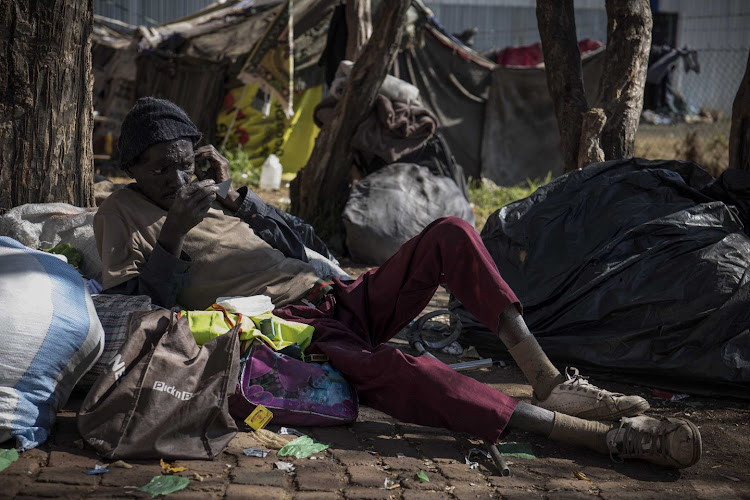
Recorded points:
163,396
635,267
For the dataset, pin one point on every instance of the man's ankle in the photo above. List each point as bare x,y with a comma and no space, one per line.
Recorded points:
544,390
579,432
534,363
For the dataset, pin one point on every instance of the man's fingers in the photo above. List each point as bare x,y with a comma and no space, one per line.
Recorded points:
218,165
200,188
202,197
201,184
194,194
207,153
188,190
205,204
206,194
201,203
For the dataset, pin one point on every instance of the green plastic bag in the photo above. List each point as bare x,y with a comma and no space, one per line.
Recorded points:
164,485
422,477
302,447
517,450
7,457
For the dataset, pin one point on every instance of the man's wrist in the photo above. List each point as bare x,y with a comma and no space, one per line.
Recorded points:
233,200
170,239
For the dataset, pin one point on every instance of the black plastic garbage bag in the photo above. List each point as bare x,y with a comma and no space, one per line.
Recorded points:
633,267
393,204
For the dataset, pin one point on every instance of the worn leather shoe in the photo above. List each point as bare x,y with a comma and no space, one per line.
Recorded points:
578,398
670,442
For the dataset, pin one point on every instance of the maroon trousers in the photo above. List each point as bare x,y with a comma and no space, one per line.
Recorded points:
356,319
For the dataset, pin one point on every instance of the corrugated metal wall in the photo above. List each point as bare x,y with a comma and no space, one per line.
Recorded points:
720,31
148,12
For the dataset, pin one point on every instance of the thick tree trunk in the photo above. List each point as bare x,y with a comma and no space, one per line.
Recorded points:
624,74
608,130
46,112
739,136
358,26
562,60
320,190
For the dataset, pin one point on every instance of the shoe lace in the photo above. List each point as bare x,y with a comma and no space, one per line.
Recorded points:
578,382
632,442
575,374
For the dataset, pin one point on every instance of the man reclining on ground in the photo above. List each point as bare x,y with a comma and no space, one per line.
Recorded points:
173,239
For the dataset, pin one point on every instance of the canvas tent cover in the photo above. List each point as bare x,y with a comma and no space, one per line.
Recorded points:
194,61
499,121
638,268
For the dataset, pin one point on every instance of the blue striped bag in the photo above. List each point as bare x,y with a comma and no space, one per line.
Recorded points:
50,337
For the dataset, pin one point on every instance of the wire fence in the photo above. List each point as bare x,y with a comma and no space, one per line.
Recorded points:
719,32
720,37
696,126
148,12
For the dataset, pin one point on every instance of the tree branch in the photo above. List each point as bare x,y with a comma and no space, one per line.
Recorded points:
322,187
359,27
624,74
592,125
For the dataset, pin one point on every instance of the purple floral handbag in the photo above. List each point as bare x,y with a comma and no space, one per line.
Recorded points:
297,393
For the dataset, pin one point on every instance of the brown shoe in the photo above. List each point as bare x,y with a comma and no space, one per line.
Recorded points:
579,398
671,442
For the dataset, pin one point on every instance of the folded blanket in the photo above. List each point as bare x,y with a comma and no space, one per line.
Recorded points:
394,129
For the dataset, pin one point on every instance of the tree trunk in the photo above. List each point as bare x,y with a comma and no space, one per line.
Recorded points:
320,190
608,130
562,61
358,26
46,112
624,74
739,136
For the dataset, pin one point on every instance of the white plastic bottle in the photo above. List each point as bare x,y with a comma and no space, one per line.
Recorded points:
270,174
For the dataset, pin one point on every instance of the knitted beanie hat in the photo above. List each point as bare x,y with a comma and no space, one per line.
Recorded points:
152,121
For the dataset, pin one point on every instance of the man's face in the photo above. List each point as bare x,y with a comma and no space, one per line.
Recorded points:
163,169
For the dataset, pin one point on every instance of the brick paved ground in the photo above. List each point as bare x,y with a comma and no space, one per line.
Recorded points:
377,448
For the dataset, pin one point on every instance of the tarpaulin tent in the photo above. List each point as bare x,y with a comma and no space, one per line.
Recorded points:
499,122
520,136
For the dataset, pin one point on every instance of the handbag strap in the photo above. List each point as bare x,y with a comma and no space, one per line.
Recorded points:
244,344
217,307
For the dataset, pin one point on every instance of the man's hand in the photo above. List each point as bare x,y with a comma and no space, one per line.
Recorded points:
190,205
218,170
218,166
